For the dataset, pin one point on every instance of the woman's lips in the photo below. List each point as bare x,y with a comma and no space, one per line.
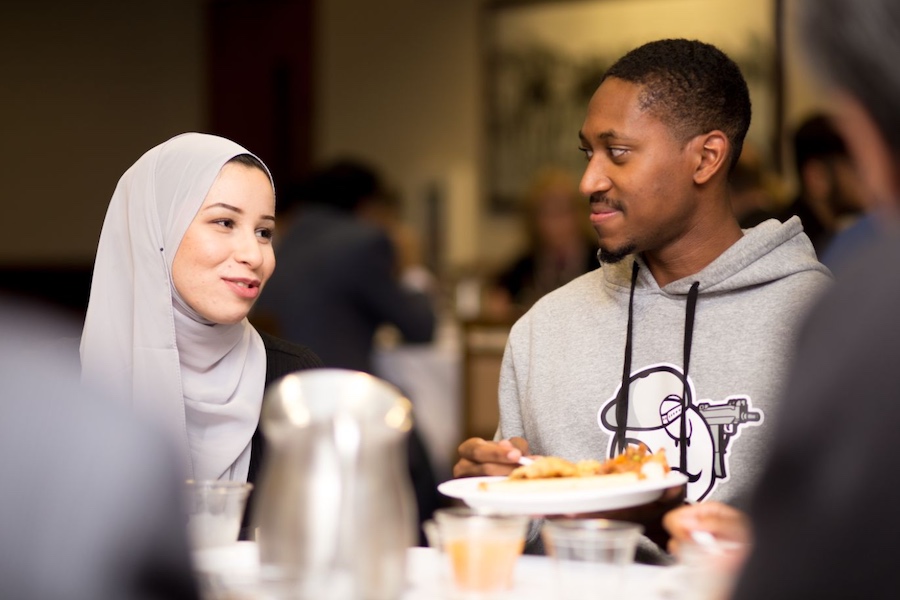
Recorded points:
245,288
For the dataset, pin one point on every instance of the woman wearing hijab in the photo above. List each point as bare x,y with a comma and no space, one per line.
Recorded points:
184,253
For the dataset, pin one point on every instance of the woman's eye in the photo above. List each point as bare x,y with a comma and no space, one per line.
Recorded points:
265,233
617,152
229,223
588,153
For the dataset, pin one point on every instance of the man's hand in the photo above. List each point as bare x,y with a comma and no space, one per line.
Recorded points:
481,457
722,521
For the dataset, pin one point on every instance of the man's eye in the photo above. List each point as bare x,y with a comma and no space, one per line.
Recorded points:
617,152
588,153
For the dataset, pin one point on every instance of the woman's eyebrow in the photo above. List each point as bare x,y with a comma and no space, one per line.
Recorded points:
225,206
237,210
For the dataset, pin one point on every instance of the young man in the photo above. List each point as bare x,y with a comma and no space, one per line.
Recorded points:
825,513
681,339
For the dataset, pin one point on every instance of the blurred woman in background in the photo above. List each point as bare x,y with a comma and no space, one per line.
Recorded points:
561,246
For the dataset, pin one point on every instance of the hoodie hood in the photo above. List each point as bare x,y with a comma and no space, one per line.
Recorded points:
770,251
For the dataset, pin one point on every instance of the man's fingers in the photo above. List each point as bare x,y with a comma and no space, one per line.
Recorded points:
674,546
482,451
467,468
678,521
519,443
721,520
481,457
467,448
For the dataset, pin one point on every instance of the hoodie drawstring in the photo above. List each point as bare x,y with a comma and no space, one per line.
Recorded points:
690,311
623,399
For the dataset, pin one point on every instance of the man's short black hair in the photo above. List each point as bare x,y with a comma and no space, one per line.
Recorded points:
691,86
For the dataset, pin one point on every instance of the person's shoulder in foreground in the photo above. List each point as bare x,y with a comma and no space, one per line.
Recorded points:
824,493
90,506
825,512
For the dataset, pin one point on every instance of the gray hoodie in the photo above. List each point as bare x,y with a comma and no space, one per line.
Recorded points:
566,360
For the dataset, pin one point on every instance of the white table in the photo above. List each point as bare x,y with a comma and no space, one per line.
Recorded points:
234,570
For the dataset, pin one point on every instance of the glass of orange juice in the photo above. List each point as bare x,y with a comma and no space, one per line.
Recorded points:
481,549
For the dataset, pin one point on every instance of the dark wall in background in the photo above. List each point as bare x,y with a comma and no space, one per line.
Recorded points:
261,75
63,287
258,74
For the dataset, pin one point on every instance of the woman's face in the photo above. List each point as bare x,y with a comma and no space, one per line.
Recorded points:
226,257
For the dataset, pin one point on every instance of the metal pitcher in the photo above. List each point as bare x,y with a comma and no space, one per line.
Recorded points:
336,511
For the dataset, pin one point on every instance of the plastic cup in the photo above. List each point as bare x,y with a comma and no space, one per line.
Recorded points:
479,550
590,555
215,510
709,571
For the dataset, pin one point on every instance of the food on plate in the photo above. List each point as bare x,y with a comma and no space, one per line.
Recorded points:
551,473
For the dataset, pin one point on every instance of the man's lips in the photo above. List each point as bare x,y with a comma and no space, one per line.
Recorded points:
601,211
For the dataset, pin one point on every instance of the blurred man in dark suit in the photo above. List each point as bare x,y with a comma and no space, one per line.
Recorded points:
342,274
338,277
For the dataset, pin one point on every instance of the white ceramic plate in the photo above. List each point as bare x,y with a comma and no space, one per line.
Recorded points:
559,502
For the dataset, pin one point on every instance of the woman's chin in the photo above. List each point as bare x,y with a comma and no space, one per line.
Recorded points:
226,319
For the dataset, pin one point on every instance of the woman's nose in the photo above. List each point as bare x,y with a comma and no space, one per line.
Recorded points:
248,250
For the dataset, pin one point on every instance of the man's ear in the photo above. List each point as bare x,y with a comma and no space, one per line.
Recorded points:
712,152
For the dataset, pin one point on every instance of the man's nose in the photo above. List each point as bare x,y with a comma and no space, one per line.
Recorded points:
595,179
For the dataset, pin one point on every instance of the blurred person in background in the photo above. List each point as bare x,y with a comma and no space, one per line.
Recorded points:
341,274
184,253
830,196
561,246
749,189
688,313
90,501
825,511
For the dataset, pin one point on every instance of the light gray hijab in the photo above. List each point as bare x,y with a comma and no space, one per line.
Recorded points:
201,382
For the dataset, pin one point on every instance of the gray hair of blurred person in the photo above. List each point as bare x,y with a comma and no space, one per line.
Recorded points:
854,46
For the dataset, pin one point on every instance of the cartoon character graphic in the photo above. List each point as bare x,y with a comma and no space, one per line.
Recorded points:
659,411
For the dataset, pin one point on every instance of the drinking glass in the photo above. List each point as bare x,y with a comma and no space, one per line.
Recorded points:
479,550
709,567
590,555
215,510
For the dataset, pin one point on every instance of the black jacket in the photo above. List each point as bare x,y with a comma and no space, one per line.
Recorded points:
282,358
